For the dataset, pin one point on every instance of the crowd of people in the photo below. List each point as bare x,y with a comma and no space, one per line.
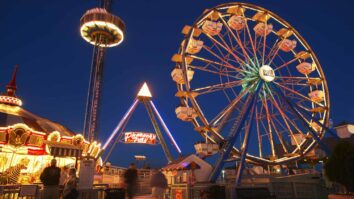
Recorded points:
55,179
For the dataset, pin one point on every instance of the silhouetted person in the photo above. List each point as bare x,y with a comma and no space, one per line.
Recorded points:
70,188
158,184
50,179
130,179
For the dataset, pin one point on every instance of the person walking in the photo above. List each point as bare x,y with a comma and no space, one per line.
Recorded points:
50,179
130,179
158,184
64,174
70,188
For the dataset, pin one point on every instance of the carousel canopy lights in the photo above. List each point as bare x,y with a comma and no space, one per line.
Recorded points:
10,100
101,28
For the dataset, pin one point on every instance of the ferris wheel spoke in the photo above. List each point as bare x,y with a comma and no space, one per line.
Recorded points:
285,64
271,139
221,73
222,59
264,44
292,121
208,61
280,137
266,130
284,116
226,48
291,81
217,87
235,38
259,135
230,107
273,52
303,81
304,85
251,40
299,94
239,59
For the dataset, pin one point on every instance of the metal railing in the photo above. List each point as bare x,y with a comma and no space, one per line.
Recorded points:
13,192
279,189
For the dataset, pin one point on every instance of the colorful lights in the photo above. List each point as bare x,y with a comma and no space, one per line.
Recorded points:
101,28
165,127
10,100
139,138
120,124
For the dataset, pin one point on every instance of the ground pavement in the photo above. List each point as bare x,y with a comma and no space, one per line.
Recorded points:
144,197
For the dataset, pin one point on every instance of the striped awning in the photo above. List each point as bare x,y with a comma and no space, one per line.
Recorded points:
63,150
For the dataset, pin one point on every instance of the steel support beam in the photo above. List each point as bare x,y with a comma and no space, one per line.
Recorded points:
121,123
317,122
245,143
225,152
157,129
305,124
165,128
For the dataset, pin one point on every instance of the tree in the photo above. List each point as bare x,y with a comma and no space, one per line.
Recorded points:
340,165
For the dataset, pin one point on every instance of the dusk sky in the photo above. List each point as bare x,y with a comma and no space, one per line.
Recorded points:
43,38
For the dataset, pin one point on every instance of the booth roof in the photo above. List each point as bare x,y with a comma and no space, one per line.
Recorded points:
183,163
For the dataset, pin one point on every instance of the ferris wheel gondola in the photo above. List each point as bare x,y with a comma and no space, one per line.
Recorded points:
255,79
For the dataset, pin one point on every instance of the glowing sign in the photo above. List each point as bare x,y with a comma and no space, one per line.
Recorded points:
140,138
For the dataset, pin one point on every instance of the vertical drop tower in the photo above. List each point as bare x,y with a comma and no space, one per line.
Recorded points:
103,30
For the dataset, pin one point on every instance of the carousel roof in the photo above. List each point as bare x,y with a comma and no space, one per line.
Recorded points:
12,113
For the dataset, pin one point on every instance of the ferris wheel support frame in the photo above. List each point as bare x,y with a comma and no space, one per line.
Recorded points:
230,59
327,129
228,146
296,112
246,140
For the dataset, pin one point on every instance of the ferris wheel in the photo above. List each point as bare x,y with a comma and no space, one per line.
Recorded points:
251,85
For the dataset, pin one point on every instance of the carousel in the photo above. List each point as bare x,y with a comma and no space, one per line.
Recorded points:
28,142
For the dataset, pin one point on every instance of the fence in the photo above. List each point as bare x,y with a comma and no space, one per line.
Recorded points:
279,189
34,192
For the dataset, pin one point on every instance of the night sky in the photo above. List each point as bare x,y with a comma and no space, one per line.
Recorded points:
43,38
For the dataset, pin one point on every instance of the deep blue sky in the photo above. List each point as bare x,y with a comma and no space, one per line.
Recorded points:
43,37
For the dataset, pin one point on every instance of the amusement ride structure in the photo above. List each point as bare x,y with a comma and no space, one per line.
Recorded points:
119,135
103,30
244,75
30,141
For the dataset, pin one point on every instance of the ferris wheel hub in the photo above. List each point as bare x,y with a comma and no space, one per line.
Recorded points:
266,73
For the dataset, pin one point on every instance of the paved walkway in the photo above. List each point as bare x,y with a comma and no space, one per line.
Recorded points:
143,197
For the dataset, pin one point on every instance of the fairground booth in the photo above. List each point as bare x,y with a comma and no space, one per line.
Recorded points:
28,142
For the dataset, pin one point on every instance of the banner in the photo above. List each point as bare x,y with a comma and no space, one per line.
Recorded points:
139,138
